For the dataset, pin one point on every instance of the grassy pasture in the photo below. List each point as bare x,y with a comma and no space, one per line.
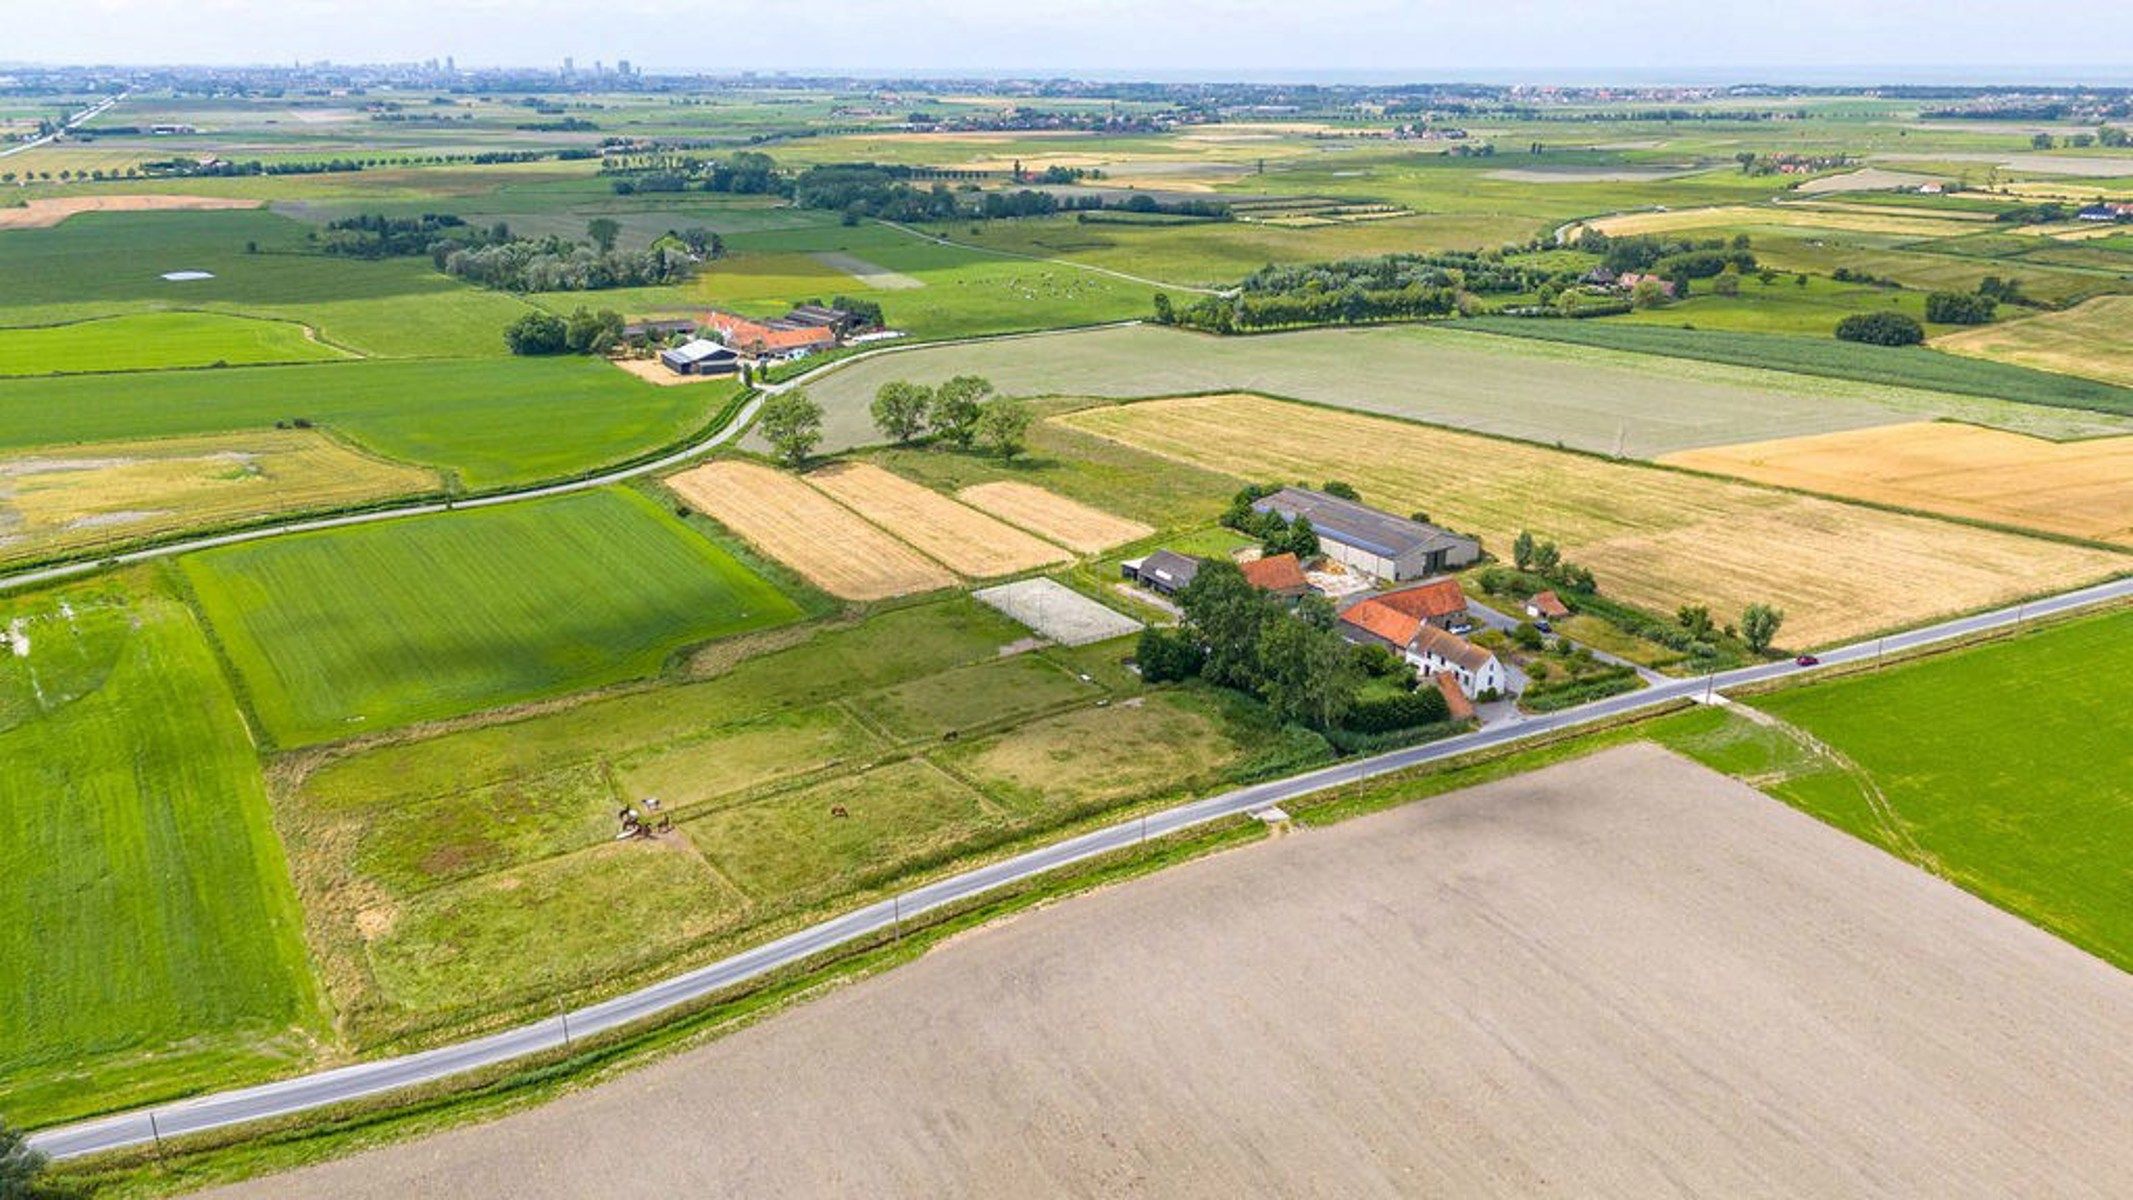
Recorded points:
150,938
152,341
1653,537
488,423
354,630
1641,404
2083,489
2001,766
2089,340
107,264
65,501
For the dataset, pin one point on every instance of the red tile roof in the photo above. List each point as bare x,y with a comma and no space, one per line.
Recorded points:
1279,573
1462,709
755,337
1549,605
1434,600
1374,616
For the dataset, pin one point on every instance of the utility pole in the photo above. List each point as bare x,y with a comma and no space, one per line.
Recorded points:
564,1014
896,906
155,1131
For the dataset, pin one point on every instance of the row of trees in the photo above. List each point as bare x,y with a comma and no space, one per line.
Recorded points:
1543,558
1354,305
1884,328
959,412
583,332
1959,308
556,265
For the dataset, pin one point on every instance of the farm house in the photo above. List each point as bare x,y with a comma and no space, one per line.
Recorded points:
1376,543
1433,652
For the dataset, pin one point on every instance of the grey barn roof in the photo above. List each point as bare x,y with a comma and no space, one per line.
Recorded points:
1171,568
1359,525
697,351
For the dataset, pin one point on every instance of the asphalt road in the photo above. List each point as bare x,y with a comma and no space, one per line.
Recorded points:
383,1075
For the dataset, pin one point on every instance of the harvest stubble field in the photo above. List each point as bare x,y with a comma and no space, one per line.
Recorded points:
968,541
1076,526
836,549
2089,340
1653,537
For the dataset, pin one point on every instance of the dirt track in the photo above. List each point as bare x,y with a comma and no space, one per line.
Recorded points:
1622,977
42,214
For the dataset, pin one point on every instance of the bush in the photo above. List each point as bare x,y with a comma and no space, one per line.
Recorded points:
537,333
1959,308
1423,706
1881,329
1165,655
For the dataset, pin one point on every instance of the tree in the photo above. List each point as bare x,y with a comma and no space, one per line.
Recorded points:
603,231
1227,614
1295,537
1167,654
1959,308
1346,491
791,422
1309,672
1546,557
1165,312
900,409
1727,283
592,332
20,1166
1759,626
957,404
1649,293
1696,619
1881,329
1522,550
2042,141
1004,426
537,333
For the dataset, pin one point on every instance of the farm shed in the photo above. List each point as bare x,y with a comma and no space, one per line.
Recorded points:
1547,606
1374,542
1165,571
1281,574
701,357
656,331
1439,602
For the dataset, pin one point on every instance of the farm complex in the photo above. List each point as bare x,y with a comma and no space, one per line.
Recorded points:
509,574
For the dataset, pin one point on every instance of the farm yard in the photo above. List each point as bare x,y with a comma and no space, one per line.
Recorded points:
2080,489
800,526
350,631
1641,405
1738,1031
75,498
147,894
1654,538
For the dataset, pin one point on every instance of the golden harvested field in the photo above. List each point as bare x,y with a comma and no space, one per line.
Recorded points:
1655,538
965,539
1071,523
2093,339
105,493
828,543
40,214
1728,215
2084,489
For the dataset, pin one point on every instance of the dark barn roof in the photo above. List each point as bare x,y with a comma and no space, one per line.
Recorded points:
1359,525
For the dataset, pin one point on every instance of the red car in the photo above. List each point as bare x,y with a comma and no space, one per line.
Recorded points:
1807,660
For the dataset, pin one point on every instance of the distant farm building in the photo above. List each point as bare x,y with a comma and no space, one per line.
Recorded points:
1439,602
1547,606
1280,574
1376,543
780,338
701,357
820,316
1166,571
656,331
1432,652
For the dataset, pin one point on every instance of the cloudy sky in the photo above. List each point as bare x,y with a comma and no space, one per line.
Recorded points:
1568,40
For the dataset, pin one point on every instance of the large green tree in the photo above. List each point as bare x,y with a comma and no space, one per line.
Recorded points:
1004,426
1308,672
957,405
21,1167
1759,624
791,422
900,408
603,231
1227,614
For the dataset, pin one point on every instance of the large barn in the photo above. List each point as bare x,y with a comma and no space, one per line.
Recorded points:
1373,542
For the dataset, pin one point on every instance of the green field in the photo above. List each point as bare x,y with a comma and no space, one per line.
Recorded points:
150,938
152,341
2002,767
109,264
351,631
1591,399
490,423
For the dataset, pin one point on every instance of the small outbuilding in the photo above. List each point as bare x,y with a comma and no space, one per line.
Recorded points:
1281,574
1546,606
1165,572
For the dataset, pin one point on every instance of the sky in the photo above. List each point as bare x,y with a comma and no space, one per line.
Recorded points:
1423,40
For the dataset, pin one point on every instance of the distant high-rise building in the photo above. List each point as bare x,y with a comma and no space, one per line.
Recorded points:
622,67
568,65
450,67
599,68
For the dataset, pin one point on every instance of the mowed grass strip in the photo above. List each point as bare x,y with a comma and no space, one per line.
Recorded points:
2088,340
149,935
965,539
352,630
2007,763
82,497
1070,523
154,341
2084,489
1653,537
836,549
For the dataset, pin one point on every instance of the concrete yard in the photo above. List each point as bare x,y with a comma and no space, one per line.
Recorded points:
1625,976
1052,609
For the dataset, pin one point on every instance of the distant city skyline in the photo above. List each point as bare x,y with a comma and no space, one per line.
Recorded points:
1541,41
